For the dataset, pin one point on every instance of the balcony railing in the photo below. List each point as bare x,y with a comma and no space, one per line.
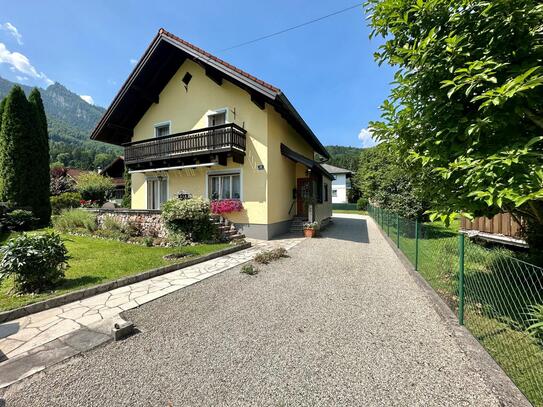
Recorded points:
217,139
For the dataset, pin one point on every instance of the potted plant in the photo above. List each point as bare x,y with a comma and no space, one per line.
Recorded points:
310,229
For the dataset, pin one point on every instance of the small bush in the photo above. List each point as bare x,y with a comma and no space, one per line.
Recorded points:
110,223
66,200
36,263
20,219
362,204
267,256
249,269
536,321
190,218
94,187
72,219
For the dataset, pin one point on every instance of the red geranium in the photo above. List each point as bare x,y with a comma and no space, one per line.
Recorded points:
226,206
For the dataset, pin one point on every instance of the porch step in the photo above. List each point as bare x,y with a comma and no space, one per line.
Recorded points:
227,229
297,224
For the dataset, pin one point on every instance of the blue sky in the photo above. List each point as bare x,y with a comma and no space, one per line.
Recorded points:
326,69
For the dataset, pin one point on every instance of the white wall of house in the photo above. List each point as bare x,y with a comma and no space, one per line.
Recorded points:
339,188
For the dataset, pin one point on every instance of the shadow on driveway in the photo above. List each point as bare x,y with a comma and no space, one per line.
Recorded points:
350,229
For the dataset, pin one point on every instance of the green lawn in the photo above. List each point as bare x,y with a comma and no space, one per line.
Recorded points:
499,288
95,261
351,211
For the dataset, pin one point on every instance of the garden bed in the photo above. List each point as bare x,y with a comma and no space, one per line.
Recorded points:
97,261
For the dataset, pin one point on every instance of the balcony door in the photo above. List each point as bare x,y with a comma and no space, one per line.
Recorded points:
157,192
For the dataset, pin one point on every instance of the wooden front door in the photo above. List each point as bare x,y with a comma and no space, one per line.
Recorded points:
303,195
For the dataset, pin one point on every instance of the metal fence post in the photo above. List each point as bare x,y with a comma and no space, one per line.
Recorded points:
398,230
416,245
388,223
461,279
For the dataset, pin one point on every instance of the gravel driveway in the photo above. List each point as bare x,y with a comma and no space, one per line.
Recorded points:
340,322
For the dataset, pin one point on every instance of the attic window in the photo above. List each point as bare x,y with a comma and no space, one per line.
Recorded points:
162,129
187,78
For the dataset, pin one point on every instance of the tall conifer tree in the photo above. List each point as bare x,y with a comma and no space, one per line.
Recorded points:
39,152
15,166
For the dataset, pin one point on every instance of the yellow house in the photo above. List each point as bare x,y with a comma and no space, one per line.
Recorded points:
191,123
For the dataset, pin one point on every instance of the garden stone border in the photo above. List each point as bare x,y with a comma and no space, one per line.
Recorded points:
64,299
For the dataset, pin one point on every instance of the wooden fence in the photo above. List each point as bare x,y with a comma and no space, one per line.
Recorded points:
501,224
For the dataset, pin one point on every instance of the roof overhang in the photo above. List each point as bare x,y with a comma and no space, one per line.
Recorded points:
163,57
307,162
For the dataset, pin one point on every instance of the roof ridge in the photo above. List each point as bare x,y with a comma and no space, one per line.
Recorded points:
166,33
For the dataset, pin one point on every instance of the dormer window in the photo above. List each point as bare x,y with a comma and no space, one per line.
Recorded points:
162,129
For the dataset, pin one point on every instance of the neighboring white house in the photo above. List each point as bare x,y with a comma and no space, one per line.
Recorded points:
341,184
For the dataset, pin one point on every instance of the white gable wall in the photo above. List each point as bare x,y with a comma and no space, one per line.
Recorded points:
339,185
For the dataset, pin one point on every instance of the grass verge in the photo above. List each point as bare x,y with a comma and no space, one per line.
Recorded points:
350,211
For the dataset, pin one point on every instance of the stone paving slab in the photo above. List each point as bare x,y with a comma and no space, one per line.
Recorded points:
27,335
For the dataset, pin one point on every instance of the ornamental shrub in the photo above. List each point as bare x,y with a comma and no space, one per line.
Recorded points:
362,204
222,206
71,220
36,262
94,187
66,200
21,219
60,181
190,218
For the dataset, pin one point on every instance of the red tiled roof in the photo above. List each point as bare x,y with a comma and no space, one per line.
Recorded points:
220,61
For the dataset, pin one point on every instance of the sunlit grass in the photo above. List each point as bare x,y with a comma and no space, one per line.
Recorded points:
94,261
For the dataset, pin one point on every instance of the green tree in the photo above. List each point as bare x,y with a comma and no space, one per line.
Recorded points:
127,198
467,101
386,180
16,168
94,187
39,156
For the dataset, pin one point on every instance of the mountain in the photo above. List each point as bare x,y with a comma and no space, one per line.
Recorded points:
70,121
344,157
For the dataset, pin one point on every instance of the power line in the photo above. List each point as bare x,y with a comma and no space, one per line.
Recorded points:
291,28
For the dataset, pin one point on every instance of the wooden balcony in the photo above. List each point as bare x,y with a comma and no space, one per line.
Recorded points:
210,141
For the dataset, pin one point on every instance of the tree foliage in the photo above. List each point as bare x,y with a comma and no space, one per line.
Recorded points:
15,168
385,179
94,187
39,157
468,99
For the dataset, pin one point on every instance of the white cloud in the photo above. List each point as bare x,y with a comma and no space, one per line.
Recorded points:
20,63
12,30
133,61
87,99
21,78
366,138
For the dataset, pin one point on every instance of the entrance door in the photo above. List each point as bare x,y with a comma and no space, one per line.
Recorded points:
303,195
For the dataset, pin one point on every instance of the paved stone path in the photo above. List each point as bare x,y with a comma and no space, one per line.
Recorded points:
21,336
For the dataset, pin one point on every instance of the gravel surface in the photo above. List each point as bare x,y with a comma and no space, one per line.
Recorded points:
340,322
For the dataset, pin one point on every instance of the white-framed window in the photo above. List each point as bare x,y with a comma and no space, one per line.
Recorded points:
216,117
225,185
334,193
162,129
157,192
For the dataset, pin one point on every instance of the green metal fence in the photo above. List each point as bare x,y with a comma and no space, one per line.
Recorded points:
498,297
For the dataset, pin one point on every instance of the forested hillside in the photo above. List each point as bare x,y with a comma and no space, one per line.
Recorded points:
70,120
344,157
